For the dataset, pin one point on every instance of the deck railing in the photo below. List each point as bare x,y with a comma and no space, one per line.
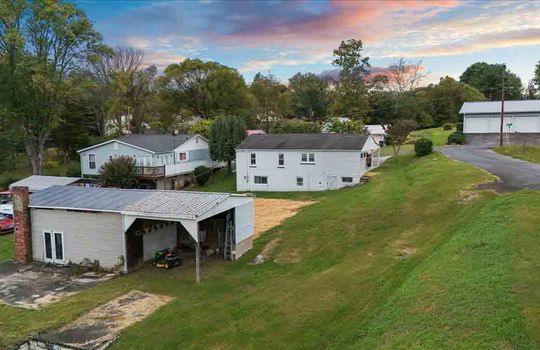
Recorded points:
150,172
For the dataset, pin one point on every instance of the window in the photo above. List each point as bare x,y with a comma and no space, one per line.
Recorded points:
299,181
261,180
182,155
308,157
92,161
53,244
253,160
281,159
347,179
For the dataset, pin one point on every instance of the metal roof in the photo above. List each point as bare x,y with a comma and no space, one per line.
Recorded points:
41,182
305,141
178,204
156,143
490,107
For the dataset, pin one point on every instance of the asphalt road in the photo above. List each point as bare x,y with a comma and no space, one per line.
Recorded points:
515,174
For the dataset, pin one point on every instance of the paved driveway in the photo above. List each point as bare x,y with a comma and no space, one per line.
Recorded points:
515,174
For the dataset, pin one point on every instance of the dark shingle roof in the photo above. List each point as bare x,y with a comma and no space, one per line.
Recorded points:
305,141
156,143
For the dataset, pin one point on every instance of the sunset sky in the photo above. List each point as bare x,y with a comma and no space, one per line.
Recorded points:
286,37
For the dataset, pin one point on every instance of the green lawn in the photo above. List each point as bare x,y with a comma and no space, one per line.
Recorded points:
528,153
437,135
6,247
407,261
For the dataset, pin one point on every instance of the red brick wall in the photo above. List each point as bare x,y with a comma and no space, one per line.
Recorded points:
23,232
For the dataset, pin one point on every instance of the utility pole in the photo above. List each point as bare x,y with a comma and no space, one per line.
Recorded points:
502,107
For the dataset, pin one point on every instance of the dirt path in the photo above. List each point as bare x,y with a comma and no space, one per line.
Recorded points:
97,329
271,212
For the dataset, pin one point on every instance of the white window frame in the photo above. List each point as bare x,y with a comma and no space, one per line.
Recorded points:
347,177
301,182
90,155
54,260
307,158
262,177
253,159
281,160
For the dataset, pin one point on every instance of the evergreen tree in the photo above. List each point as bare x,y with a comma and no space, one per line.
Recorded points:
225,134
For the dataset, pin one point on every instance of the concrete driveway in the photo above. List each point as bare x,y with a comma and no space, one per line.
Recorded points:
515,174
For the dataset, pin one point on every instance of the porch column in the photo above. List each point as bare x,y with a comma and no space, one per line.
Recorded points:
378,156
197,262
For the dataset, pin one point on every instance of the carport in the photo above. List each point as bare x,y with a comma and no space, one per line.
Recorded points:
121,229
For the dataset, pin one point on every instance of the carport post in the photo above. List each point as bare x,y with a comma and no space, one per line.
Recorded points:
197,261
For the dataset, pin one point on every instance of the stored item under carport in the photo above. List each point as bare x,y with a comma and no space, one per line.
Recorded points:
166,259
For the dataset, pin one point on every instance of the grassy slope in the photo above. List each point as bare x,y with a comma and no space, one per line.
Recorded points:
338,280
528,153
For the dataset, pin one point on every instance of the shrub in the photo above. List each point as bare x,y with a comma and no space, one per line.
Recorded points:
448,126
456,138
459,127
423,147
50,164
202,175
119,172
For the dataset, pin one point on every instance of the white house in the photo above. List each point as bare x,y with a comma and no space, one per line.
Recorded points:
167,161
482,121
378,133
303,162
122,229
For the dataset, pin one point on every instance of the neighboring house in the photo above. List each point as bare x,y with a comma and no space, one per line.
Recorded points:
378,133
303,162
167,161
40,182
122,229
482,122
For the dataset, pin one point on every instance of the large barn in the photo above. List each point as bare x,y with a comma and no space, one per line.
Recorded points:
122,229
482,122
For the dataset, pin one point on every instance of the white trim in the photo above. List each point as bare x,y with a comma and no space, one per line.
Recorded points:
54,260
115,140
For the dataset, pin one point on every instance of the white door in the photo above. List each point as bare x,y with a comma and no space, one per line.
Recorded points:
331,182
53,246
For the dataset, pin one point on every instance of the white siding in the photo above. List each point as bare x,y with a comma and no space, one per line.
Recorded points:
243,219
327,172
162,238
488,124
95,236
113,149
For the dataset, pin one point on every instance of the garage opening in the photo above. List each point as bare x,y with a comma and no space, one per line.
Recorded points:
145,237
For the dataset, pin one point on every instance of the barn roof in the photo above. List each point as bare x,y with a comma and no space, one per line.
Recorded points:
491,107
305,141
180,204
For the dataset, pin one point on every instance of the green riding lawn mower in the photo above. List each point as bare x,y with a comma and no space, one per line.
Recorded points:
166,259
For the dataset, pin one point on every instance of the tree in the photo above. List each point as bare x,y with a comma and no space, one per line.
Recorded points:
205,89
398,132
309,96
405,76
447,98
201,128
334,125
119,172
350,98
487,78
272,98
536,80
295,126
41,42
225,134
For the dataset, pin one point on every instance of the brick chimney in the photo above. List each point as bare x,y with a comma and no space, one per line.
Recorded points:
23,231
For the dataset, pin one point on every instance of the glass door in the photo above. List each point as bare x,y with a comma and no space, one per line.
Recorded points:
53,243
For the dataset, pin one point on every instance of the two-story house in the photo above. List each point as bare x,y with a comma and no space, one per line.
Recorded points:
304,162
163,161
